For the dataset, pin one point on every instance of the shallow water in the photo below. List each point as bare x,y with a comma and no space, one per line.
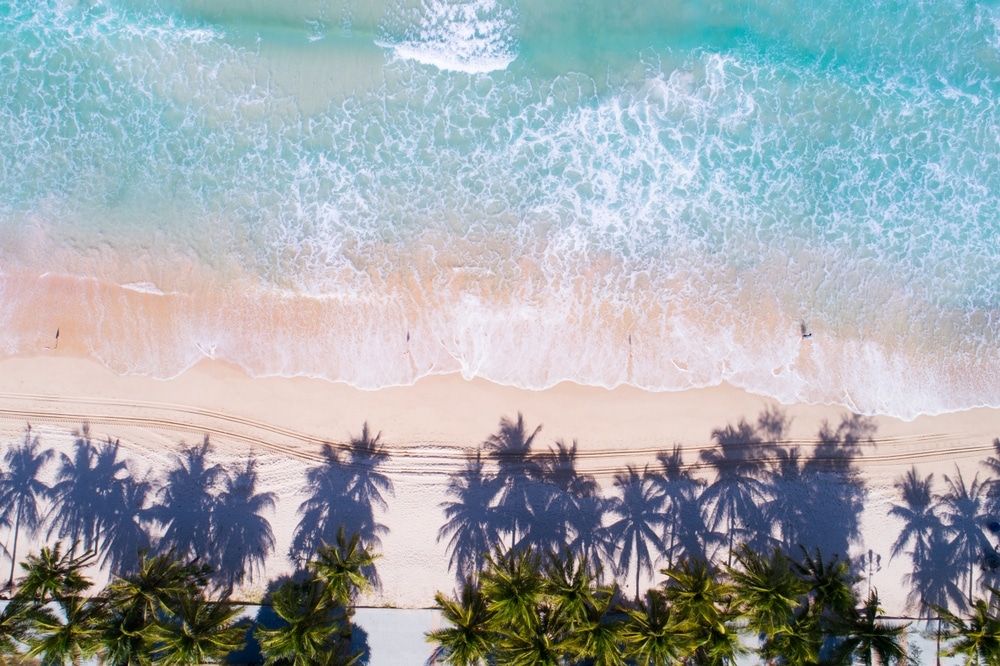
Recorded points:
369,192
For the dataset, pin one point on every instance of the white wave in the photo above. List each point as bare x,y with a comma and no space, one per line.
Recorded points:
472,36
143,288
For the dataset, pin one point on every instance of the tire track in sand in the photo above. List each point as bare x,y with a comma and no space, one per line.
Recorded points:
422,458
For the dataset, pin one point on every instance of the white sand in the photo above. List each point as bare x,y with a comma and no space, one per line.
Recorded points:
428,427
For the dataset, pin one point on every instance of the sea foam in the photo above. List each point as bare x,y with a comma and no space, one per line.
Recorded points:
472,36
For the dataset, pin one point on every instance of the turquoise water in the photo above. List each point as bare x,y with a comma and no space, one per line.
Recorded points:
370,192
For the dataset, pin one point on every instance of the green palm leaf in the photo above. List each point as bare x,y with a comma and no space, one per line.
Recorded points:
512,584
315,629
197,631
344,567
468,641
653,635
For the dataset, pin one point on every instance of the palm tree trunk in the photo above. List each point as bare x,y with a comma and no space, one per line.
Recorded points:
730,555
637,567
673,538
970,580
13,552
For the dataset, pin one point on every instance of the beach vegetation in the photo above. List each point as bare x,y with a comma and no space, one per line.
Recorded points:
194,630
316,611
557,609
468,637
168,611
864,638
975,637
526,609
136,600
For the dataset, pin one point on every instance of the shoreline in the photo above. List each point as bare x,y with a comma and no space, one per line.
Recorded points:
430,428
271,336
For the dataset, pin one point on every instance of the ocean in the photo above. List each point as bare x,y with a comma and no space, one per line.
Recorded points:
663,193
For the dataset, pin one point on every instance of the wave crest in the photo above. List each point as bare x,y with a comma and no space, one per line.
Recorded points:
472,36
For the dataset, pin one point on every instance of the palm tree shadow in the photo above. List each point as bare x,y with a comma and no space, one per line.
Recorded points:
687,536
834,490
98,503
733,500
815,502
344,490
527,499
518,474
187,503
767,494
242,536
924,538
471,521
22,491
575,507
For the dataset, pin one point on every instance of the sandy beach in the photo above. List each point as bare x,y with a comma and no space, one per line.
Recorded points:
430,427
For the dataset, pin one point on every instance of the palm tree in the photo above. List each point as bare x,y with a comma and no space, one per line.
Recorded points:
831,602
344,568
732,498
865,637
963,512
800,643
570,582
978,639
21,489
652,633
67,637
597,637
830,583
52,574
54,578
517,476
197,631
766,590
471,522
315,630
704,604
187,504
513,586
15,621
547,639
639,507
137,599
469,639
243,537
